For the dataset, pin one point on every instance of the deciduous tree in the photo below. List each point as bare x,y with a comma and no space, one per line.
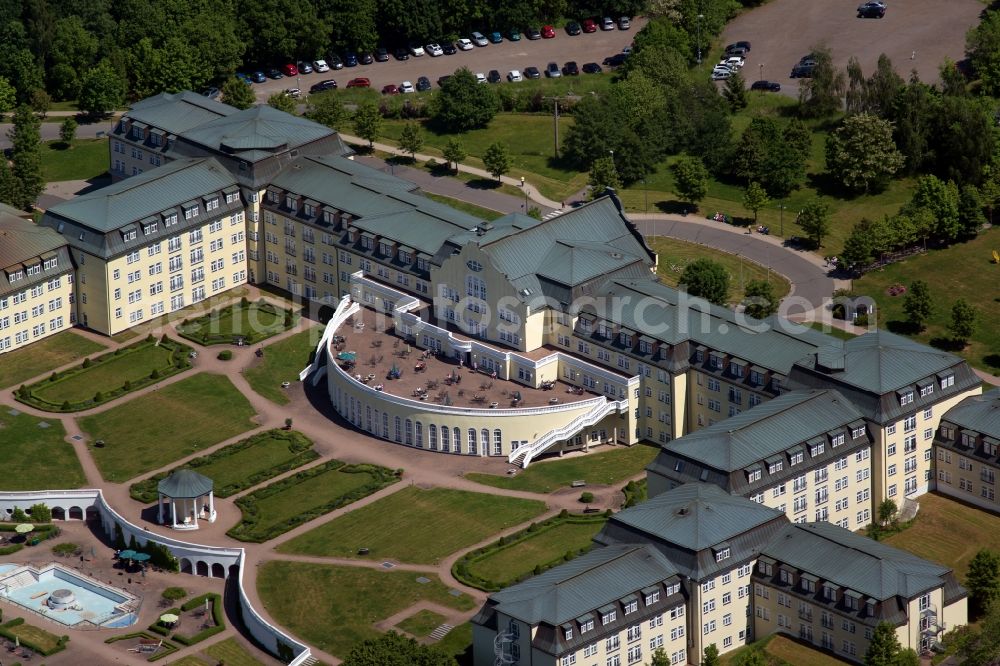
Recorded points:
706,279
982,43
755,198
918,306
410,139
391,649
368,122
964,317
463,104
815,220
282,102
821,95
861,154
102,91
497,160
603,175
67,130
759,299
454,152
884,647
970,211
711,657
239,94
983,581
690,179
8,96
940,200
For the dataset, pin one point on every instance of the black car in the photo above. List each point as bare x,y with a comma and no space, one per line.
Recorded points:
871,10
335,62
401,53
573,28
351,59
382,54
738,45
737,51
533,33
442,79
771,86
494,76
328,84
532,73
801,71
423,83
592,68
274,73
615,60
366,58
448,48
571,68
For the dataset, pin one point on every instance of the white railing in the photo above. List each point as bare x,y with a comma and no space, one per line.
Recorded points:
339,315
527,453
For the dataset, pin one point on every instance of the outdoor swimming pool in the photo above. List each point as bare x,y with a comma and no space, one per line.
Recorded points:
67,597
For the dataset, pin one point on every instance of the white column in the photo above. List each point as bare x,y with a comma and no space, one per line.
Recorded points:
159,506
194,510
211,504
173,513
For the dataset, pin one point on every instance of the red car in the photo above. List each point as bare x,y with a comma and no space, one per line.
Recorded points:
359,82
390,89
290,70
548,32
589,25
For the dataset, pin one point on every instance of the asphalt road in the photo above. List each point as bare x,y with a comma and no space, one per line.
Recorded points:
782,31
583,48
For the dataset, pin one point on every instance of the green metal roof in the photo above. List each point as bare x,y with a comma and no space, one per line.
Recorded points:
178,112
696,516
185,484
980,413
853,561
256,132
570,590
23,241
770,428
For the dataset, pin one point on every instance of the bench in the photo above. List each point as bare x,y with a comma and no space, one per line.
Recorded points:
578,484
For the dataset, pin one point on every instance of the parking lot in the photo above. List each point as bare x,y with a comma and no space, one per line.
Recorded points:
915,34
584,48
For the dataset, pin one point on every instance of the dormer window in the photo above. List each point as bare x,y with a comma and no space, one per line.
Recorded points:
817,448
50,263
128,235
625,339
808,583
650,595
585,325
405,257
232,197
645,347
765,567
837,440
273,196
926,389
211,204
605,331
568,632
722,554
829,592
385,248
191,212
906,397
947,431
169,219
290,202
775,466
858,432
990,446
15,276
309,210
149,228
756,378
753,474
852,600
785,576
796,456
716,361
34,269
968,439
736,369
870,608
630,604
586,623
608,615
366,242
946,380
699,355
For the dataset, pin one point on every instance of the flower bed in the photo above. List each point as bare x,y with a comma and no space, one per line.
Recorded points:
217,617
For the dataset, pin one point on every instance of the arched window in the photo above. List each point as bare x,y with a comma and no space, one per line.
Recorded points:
420,434
497,442
409,432
399,429
457,432
368,418
385,425
432,437
484,441
445,439
472,441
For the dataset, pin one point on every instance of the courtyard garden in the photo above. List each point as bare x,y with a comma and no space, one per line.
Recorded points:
175,421
108,376
421,623
528,552
250,322
34,638
608,467
241,465
285,504
334,607
80,159
416,525
282,362
44,356
231,653
35,454
781,650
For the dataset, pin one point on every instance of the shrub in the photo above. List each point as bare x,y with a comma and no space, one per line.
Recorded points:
65,549
174,593
150,338
586,497
127,386
53,377
99,397
41,513
225,355
155,374
65,406
86,363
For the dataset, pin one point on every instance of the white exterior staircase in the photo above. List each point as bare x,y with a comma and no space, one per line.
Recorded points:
525,454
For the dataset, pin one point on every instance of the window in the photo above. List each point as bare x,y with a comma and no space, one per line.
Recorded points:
611,644
722,554
609,617
753,475
906,397
947,380
795,458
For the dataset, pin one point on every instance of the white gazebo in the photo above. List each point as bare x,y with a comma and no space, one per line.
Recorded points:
185,491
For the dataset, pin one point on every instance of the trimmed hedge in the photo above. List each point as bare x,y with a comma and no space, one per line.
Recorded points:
199,330
461,567
168,648
244,530
145,490
178,363
218,617
5,631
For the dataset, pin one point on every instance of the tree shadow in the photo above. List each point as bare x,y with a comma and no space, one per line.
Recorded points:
60,145
902,327
483,184
948,344
825,184
674,207
992,360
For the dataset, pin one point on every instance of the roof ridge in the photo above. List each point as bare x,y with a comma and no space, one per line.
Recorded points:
631,548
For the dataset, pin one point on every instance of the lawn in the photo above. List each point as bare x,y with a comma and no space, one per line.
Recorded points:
164,425
458,643
334,607
421,623
190,660
231,653
604,468
36,458
251,321
82,160
674,255
831,330
466,207
416,525
508,564
44,356
106,376
36,636
785,651
949,533
282,362
960,271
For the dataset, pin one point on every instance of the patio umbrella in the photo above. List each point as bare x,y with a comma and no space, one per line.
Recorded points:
24,528
126,555
168,618
141,557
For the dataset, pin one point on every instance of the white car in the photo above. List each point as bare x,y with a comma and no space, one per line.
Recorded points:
434,50
734,62
406,87
720,73
480,77
607,24
514,76
294,93
479,39
416,50
465,44
321,66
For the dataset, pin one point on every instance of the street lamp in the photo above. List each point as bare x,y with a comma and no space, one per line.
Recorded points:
781,207
522,181
645,196
761,74
700,17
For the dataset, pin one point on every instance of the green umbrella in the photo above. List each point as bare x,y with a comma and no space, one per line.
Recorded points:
168,618
127,555
141,557
24,528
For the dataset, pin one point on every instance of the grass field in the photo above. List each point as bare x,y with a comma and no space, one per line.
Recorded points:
466,207
604,468
231,653
831,330
169,423
190,660
107,375
44,356
507,564
254,322
421,623
82,160
416,525
960,271
30,633
282,362
784,651
334,607
458,643
36,458
676,254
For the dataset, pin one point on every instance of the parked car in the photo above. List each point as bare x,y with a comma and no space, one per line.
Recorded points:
496,37
448,48
552,71
406,87
423,83
607,23
737,51
359,82
871,10
480,77
335,62
434,50
735,62
479,39
401,53
571,68
514,35
443,79
274,73
382,54
589,25
390,89
366,58
494,76
211,93
514,76
258,77
465,44
573,28
294,93
802,71
328,84
624,23
548,32
738,45
615,60
532,73
721,72
351,59
534,33
770,86
245,78
290,70
320,66
305,68
416,50
592,68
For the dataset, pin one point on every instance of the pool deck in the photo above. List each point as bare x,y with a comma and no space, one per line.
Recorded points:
91,606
